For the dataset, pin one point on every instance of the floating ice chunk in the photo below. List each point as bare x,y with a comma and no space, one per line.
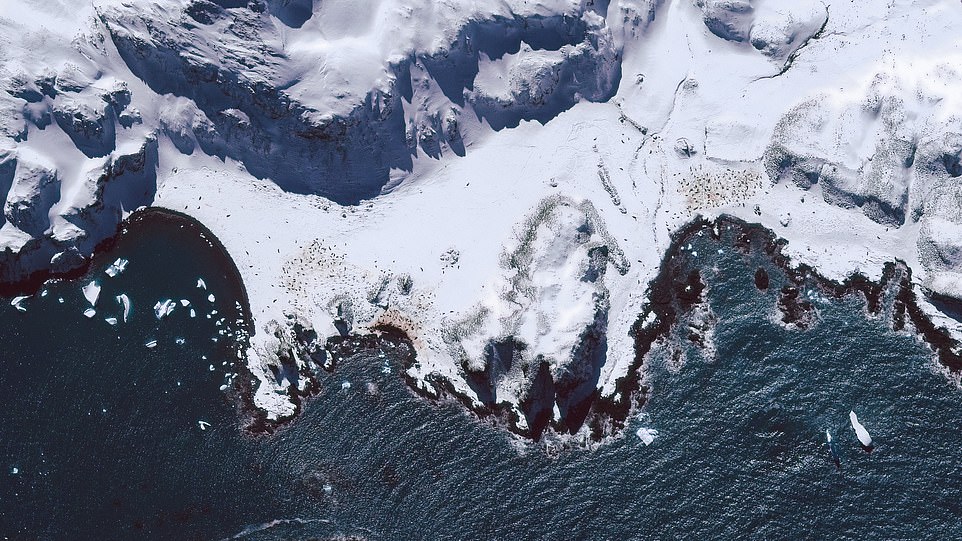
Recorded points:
863,436
184,302
17,303
201,284
193,313
346,385
179,341
111,320
210,297
203,425
14,470
117,267
90,312
646,435
60,300
163,308
124,301
211,368
151,343
92,292
223,387
44,293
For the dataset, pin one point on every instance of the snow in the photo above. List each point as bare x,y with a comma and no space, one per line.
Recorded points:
455,169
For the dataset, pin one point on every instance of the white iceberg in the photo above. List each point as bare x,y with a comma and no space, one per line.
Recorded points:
203,425
124,301
647,435
151,343
111,320
201,284
90,312
863,436
193,313
210,297
163,308
92,292
184,302
346,385
117,267
17,303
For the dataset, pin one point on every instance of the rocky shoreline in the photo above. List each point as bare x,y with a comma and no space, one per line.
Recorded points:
674,293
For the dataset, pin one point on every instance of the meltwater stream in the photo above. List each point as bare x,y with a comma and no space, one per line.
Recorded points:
99,435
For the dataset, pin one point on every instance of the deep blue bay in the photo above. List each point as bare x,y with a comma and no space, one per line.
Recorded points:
740,449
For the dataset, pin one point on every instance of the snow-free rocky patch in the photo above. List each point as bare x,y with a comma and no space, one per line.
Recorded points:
499,180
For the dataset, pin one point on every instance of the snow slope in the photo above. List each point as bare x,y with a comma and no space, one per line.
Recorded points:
499,179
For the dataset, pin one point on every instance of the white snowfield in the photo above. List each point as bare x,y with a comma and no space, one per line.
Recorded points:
494,177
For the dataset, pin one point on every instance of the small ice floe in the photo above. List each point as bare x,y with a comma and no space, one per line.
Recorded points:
90,312
193,313
201,284
223,387
210,297
60,300
124,301
831,449
863,436
111,320
151,343
17,303
646,435
163,308
211,368
14,470
203,425
117,267
346,385
179,341
44,293
184,302
91,292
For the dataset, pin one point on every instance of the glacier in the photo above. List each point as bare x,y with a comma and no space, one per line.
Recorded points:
497,180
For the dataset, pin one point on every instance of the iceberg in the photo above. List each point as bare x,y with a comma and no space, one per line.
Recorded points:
111,320
201,284
90,312
863,436
210,297
92,292
117,267
151,343
124,301
17,303
647,435
203,425
184,302
163,308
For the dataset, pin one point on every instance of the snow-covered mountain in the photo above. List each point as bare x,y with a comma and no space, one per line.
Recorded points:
499,179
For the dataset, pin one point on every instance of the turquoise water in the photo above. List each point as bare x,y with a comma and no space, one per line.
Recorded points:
740,449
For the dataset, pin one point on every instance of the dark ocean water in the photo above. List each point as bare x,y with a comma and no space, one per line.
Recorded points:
740,450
